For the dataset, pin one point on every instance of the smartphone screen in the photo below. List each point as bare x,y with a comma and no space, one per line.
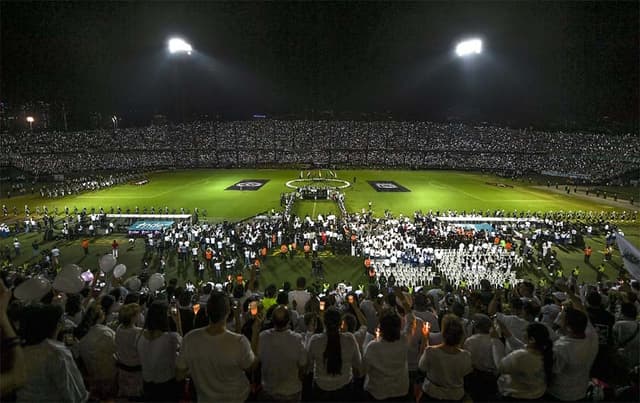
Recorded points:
196,308
253,308
322,305
350,299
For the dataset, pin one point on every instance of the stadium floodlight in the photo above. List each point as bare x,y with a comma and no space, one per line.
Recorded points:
178,45
30,120
469,47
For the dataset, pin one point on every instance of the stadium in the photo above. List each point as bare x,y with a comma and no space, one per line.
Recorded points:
377,210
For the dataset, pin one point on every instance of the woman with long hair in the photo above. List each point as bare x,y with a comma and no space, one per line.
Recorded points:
333,356
525,372
158,349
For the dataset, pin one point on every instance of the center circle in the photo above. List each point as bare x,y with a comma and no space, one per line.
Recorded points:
343,183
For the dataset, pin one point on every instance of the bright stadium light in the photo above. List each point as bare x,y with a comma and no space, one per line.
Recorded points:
469,47
30,120
178,45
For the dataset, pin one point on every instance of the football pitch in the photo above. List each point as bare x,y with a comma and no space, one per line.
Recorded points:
403,192
427,190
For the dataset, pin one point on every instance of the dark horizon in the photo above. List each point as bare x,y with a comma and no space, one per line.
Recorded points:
543,62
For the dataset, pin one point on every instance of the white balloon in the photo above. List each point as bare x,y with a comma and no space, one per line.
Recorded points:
119,270
32,289
133,283
69,284
107,263
156,282
71,270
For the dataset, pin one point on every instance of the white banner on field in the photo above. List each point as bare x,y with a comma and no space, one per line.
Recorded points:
630,256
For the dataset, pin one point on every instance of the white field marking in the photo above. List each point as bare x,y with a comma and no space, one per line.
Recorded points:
313,213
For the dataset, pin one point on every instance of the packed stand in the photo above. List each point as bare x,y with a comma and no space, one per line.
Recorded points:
378,144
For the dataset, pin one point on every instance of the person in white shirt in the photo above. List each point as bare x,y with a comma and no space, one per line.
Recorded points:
334,356
128,361
97,348
481,384
573,355
423,309
158,348
522,313
385,360
524,372
626,335
300,295
368,308
446,365
216,358
51,373
283,358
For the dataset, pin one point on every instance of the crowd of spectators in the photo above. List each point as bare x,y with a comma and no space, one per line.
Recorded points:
394,144
444,316
238,340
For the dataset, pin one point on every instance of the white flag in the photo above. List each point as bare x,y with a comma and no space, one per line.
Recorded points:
630,256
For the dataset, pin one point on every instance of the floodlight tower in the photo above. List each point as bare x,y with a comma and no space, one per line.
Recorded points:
469,47
178,49
180,46
30,120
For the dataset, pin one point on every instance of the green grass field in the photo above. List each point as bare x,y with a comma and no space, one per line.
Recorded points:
205,189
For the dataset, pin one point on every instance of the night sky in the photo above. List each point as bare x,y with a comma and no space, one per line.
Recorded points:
543,62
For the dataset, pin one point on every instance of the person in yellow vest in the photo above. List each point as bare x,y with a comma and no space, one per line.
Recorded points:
576,272
600,273
283,251
559,273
